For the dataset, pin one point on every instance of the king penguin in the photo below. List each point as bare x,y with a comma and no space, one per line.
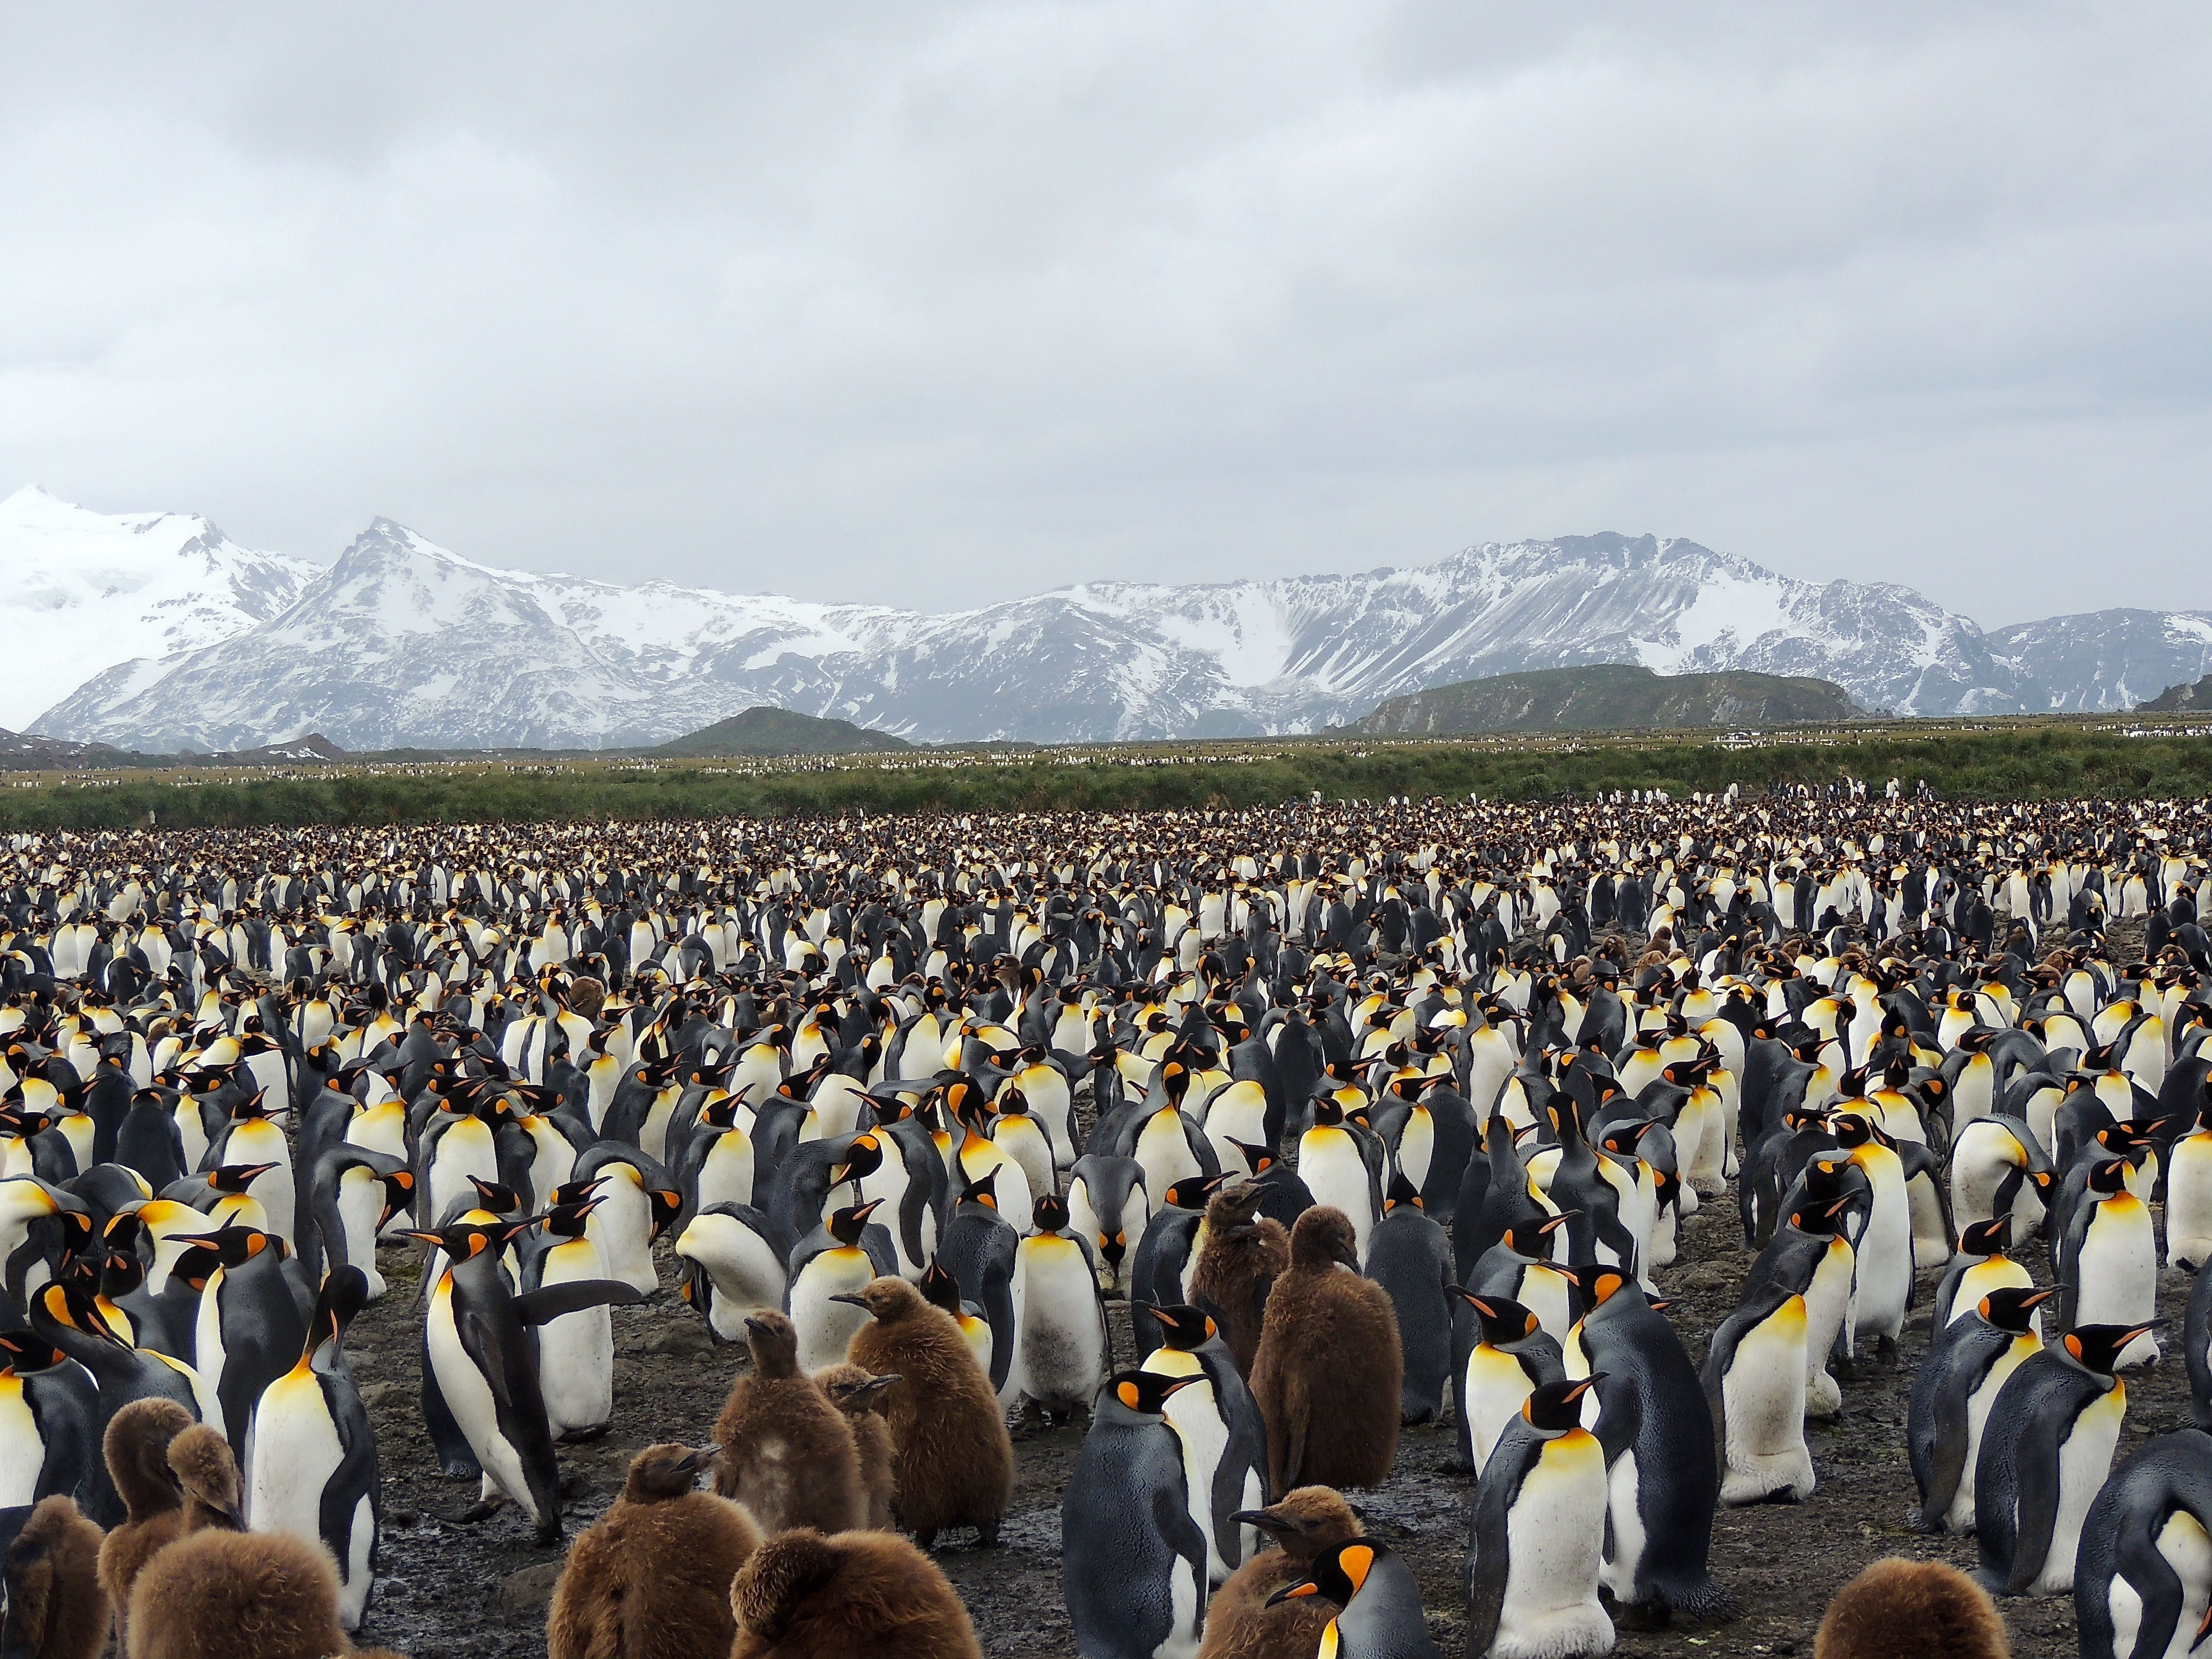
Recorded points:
1133,1560
1968,1366
1535,1542
1224,1443
1382,1616
1754,1380
2142,1582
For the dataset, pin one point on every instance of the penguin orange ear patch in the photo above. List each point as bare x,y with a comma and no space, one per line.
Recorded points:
1357,1561
1132,1396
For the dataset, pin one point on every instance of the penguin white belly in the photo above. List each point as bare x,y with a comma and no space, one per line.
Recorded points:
292,1451
1236,1112
1164,1151
2189,1202
825,1328
2118,1271
1020,1140
1195,1415
1827,1317
1335,1174
2188,1550
22,1452
360,1201
1703,1141
1059,1345
576,1352
468,1397
1416,1149
1496,1388
2084,1461
623,1228
1884,1259
1555,1535
464,1150
890,1183
1627,1537
743,1270
1544,1293
1764,1397
725,1174
1931,1238
1978,1166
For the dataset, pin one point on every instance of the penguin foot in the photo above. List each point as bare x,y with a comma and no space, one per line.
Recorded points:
483,1509
987,1535
1886,1351
579,1436
461,1469
926,1539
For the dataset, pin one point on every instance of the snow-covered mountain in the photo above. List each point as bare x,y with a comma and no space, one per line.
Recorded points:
402,643
82,592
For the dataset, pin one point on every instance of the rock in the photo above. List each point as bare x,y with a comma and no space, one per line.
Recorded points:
530,1591
373,1394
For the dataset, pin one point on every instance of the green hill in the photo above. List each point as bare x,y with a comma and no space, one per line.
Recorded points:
762,732
1608,697
2184,699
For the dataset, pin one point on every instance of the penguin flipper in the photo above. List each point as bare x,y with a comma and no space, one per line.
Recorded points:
549,1302
2035,1481
1948,1461
1489,1553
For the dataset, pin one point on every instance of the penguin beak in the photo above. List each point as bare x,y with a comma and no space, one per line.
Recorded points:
848,1297
1305,1587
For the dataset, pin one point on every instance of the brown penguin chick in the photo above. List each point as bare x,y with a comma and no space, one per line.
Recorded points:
956,1461
787,1453
856,1595
136,1450
56,1608
1327,1373
218,1595
855,1392
653,1575
1901,1609
1239,1624
207,1473
1243,1255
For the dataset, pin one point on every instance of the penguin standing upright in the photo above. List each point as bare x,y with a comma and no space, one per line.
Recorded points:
2107,1261
1968,1366
1980,1266
1884,1247
1755,1381
1334,1168
2046,1449
1225,1440
1410,1257
1657,1432
787,1453
311,1465
1133,1560
1060,1332
485,1363
1535,1542
2142,1580
1107,1203
1381,1602
576,1352
1242,1256
1327,1374
840,1256
48,1410
1504,1353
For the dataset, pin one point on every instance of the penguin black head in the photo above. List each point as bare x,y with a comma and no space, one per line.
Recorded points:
1049,1213
1987,1238
2108,1177
237,1178
1337,1575
1146,1392
1596,1282
1257,1161
940,1289
2012,1307
984,1191
492,1196
2098,1347
1534,1241
1503,1320
846,1225
235,1246
1401,1191
1182,1327
1195,1192
465,1240
21,1352
1554,1408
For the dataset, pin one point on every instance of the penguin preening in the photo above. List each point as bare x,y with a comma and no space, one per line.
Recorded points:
1379,1603
1329,1376
2143,1578
850,1596
786,1451
653,1575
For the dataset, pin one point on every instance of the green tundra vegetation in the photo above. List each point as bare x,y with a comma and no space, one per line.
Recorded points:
2022,759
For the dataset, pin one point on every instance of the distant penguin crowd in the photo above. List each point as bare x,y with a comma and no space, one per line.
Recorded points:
1249,1141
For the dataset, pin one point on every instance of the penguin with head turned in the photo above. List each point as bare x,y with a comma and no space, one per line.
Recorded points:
1657,1431
1968,1366
2046,1449
1501,1353
1537,1533
1171,1250
1410,1257
1225,1440
1980,1265
2142,1580
1134,1556
1379,1603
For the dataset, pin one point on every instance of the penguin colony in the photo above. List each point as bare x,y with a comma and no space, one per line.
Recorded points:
1371,1119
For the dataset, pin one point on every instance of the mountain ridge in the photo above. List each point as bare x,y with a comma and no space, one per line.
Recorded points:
404,643
1608,697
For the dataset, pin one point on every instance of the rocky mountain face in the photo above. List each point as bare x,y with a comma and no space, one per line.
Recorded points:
401,643
81,593
1613,697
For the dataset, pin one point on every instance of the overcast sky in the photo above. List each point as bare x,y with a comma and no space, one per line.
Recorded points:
930,302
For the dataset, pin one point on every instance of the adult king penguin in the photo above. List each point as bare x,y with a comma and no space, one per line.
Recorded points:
1535,1538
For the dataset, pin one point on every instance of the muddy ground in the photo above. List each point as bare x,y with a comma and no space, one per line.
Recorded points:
480,1592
